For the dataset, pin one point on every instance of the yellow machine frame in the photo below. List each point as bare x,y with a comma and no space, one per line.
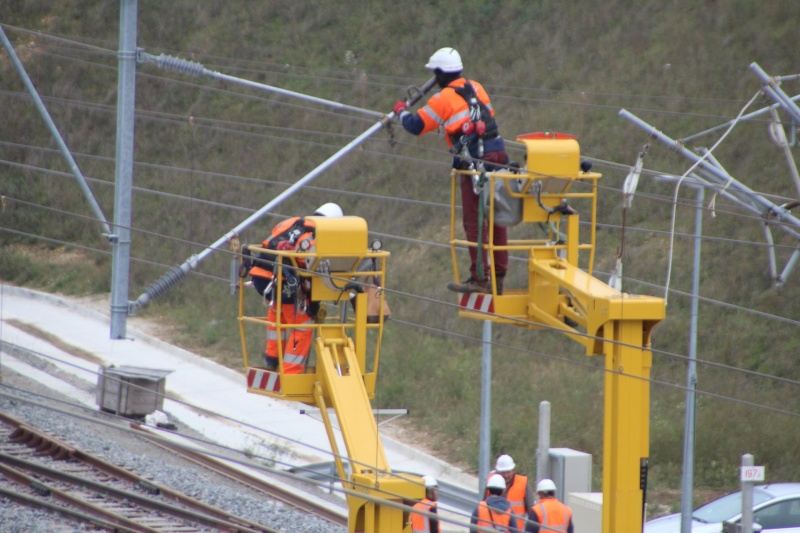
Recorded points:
616,324
340,378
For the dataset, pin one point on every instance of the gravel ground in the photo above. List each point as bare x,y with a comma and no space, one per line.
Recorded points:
118,446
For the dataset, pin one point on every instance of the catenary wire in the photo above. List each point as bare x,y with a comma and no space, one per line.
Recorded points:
112,53
655,197
400,238
544,326
182,119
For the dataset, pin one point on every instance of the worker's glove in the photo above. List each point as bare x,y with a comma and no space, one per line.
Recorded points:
399,107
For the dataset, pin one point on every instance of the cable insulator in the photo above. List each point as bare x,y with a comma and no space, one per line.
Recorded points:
181,65
164,283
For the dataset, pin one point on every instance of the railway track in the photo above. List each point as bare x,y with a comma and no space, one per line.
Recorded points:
41,471
291,498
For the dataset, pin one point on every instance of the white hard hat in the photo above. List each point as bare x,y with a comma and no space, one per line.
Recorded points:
496,481
330,210
504,464
445,59
430,482
546,485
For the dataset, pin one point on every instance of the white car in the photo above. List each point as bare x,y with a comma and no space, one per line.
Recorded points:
776,508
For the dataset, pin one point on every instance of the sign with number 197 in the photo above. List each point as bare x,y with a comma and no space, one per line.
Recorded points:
752,473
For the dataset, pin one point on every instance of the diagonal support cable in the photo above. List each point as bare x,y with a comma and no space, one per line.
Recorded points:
73,166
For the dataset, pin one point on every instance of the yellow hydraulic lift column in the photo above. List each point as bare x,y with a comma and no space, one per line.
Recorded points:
626,426
563,296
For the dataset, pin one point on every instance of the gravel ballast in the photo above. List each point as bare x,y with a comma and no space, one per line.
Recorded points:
119,446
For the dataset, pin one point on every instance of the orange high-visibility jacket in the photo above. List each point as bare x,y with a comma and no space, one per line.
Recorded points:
492,518
515,494
419,522
449,110
553,515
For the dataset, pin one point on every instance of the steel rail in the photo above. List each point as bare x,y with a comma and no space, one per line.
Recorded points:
24,499
288,497
44,444
14,467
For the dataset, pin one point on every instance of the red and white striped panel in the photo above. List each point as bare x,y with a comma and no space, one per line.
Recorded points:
477,301
258,378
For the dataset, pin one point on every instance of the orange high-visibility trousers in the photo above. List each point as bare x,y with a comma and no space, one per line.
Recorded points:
294,343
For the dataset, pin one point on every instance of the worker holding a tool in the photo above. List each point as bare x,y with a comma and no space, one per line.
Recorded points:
463,108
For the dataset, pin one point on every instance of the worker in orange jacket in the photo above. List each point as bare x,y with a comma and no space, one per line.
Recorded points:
549,515
463,109
421,523
495,512
518,491
297,308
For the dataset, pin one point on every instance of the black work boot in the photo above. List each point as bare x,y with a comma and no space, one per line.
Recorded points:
499,285
471,285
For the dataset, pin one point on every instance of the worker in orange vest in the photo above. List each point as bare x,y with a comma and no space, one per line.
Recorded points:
421,523
518,492
463,109
297,308
549,515
495,511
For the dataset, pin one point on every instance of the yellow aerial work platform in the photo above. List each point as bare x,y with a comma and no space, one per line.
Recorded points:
560,293
344,373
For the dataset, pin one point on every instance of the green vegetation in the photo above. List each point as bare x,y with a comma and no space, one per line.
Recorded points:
550,66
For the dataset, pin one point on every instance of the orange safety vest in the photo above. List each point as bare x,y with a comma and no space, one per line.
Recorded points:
492,518
449,110
515,494
553,515
421,523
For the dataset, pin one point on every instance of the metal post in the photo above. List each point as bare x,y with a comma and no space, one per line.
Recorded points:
687,486
543,450
747,497
126,99
486,409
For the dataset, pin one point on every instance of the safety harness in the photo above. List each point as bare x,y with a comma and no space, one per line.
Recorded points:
298,234
481,125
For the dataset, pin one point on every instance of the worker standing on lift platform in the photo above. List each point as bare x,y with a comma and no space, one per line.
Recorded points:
297,308
464,110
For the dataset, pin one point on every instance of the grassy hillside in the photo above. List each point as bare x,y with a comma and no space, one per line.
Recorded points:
209,153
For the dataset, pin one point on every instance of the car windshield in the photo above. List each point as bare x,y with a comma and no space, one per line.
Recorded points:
727,507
